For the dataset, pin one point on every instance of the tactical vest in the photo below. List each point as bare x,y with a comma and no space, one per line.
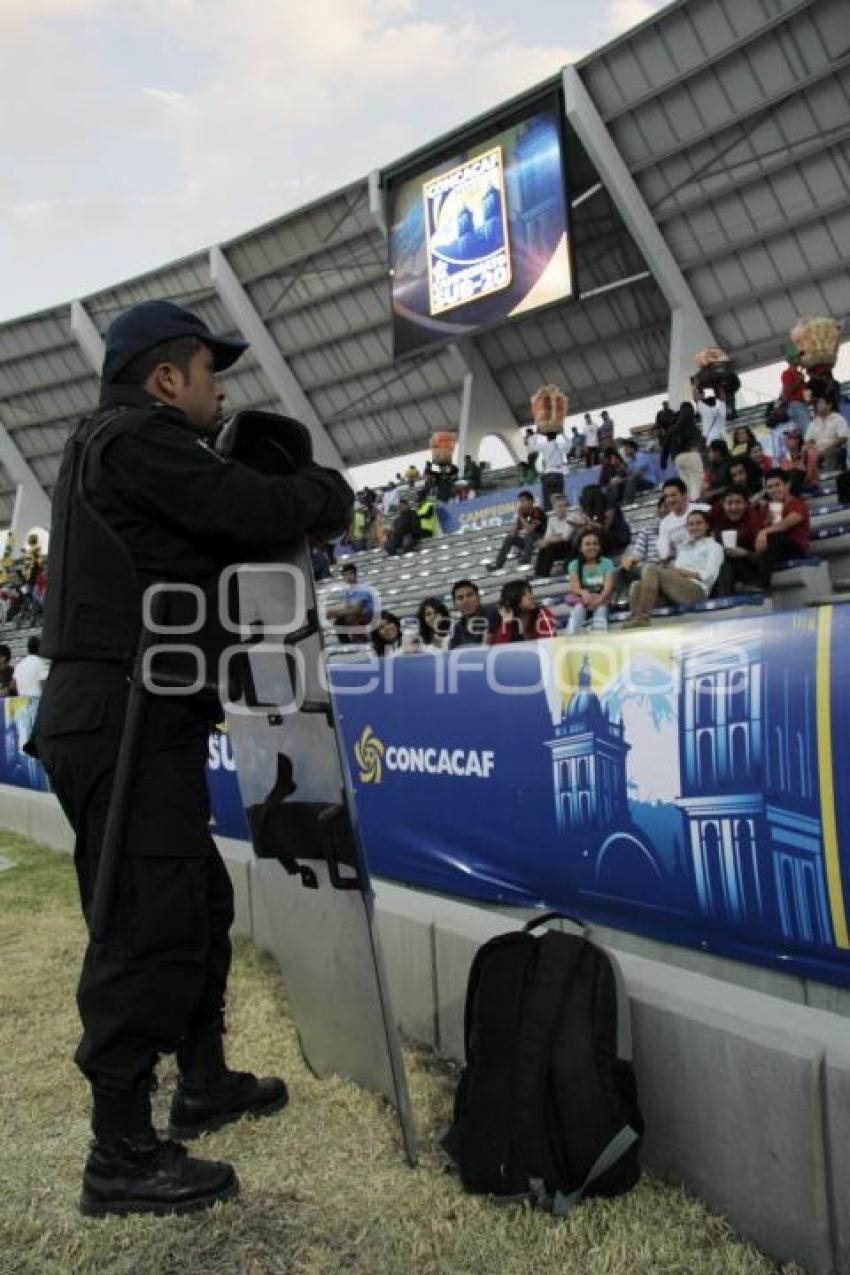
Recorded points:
426,512
93,603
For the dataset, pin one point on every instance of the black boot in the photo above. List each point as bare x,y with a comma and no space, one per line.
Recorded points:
209,1095
146,1174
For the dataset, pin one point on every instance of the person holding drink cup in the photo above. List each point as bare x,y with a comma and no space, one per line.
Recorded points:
785,534
736,522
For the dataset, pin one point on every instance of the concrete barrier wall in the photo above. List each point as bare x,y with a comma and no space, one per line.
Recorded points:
745,1086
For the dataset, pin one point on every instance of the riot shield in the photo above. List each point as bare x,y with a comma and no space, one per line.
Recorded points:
312,875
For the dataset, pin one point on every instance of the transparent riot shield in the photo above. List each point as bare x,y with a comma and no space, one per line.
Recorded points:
312,875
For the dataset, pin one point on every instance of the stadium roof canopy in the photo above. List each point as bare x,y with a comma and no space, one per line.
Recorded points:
732,121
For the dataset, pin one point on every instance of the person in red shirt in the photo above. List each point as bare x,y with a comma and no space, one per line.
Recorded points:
793,394
527,529
523,620
736,523
786,531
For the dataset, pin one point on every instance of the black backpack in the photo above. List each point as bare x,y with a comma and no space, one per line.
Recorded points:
546,1109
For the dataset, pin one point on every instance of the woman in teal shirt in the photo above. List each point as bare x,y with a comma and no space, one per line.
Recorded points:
592,581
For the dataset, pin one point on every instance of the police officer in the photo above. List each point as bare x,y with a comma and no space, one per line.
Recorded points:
141,499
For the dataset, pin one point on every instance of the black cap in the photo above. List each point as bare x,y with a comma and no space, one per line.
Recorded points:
147,324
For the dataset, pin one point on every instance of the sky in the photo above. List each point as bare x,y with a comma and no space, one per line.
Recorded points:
133,133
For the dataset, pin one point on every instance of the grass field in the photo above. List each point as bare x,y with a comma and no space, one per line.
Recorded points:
324,1186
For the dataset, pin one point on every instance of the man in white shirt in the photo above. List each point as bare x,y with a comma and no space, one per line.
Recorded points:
689,579
673,528
556,544
827,431
551,463
712,416
31,672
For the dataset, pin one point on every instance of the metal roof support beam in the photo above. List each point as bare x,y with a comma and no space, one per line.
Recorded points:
277,371
689,330
484,410
32,503
87,336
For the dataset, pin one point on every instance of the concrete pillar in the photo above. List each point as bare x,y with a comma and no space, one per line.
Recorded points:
32,503
689,328
484,410
88,338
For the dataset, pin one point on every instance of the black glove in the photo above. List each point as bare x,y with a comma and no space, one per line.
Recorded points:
267,442
339,501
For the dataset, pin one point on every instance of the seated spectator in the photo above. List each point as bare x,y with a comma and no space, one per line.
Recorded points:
435,623
386,635
592,582
353,615
526,532
683,445
716,478
758,457
828,431
673,528
426,515
31,672
638,476
744,472
643,550
477,620
736,523
595,511
743,441
690,578
801,463
405,529
556,545
522,619
613,476
7,677
785,533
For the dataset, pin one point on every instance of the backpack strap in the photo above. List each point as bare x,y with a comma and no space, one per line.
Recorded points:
614,1151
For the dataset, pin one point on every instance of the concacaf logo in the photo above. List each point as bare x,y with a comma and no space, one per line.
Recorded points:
369,755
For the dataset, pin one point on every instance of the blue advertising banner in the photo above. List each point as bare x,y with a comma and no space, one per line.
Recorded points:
678,783
687,783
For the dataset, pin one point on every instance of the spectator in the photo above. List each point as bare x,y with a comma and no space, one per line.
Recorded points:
606,430
319,562
716,477
522,619
592,582
664,418
744,472
7,677
736,524
607,519
551,462
785,534
446,473
576,450
527,468
801,462
643,550
712,416
591,441
472,473
683,445
758,457
411,474
613,475
556,543
426,514
690,578
31,672
435,623
793,394
527,530
386,636
477,620
828,431
743,441
638,479
673,528
353,616
405,531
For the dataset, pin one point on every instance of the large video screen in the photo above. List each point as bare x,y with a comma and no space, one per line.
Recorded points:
481,235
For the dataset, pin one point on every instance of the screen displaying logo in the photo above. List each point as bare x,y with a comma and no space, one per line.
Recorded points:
467,232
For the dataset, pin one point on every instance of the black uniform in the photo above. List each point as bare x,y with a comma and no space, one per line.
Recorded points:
141,498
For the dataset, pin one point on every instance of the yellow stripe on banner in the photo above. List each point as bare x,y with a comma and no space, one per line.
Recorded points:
827,792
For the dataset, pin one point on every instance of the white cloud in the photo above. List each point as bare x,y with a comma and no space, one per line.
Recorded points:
624,14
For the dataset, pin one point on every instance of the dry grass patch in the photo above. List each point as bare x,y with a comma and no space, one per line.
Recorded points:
324,1185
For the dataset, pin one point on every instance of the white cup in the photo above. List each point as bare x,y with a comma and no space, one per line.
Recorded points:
729,538
775,510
